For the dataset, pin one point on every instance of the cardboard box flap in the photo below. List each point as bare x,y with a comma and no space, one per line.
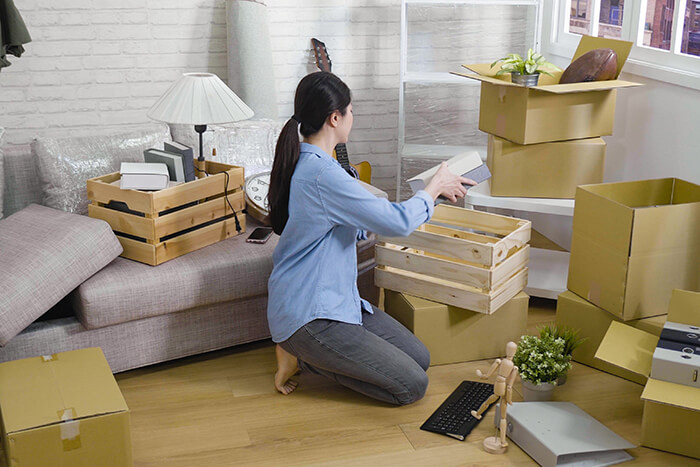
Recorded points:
621,48
46,390
678,395
627,347
585,87
684,307
487,79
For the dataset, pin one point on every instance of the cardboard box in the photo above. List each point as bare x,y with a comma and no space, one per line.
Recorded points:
671,411
63,410
546,170
550,111
592,323
457,335
634,242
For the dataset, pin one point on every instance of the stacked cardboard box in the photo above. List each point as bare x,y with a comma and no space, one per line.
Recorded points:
470,284
633,243
671,410
545,140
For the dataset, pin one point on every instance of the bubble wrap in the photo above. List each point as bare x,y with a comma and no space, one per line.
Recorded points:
248,143
65,164
2,171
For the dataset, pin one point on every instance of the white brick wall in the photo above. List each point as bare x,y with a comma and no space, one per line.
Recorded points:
104,63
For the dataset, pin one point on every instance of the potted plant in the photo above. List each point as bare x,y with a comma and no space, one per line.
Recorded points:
525,71
571,341
540,361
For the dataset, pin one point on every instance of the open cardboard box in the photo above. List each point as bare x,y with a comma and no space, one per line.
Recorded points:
550,111
633,243
592,323
671,411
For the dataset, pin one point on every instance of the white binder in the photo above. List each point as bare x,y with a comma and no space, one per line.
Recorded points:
560,433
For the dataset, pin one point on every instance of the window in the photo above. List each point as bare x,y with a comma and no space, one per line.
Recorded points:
665,33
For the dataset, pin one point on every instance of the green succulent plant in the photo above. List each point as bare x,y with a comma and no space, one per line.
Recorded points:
570,336
534,64
541,359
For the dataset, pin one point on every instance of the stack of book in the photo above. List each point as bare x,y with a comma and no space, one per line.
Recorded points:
177,157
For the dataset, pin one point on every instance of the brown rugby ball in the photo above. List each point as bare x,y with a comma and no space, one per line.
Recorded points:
594,65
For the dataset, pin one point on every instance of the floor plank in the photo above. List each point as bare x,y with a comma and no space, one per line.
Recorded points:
221,409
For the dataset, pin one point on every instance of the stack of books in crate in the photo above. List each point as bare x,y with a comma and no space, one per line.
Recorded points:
545,140
456,282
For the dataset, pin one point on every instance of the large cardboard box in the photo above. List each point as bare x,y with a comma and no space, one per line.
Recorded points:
550,111
546,170
592,323
671,411
63,410
634,242
457,335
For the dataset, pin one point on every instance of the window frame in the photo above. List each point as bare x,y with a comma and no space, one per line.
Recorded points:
669,66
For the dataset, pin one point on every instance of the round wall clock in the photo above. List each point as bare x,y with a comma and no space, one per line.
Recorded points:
256,189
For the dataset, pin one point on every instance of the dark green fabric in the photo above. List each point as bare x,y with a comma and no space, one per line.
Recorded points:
13,32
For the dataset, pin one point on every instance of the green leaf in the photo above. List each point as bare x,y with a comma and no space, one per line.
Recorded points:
530,68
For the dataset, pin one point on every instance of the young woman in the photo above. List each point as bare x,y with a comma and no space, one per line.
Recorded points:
315,313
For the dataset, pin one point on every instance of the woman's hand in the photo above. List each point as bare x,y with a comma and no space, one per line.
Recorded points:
447,184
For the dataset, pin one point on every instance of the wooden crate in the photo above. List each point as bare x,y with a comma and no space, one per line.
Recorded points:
159,225
465,258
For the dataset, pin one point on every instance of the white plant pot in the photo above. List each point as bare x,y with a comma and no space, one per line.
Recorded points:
537,392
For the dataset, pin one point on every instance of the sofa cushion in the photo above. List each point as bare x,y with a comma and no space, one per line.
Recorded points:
127,290
65,164
22,186
45,254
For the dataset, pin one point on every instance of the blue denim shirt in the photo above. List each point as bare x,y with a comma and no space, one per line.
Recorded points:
314,271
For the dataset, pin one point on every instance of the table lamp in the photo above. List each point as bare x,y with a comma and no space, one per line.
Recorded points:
199,99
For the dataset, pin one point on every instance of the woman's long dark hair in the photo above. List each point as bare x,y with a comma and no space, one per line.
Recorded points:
317,96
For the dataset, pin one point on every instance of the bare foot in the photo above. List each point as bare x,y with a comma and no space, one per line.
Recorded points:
286,368
476,415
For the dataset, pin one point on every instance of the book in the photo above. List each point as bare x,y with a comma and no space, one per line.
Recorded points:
176,169
468,164
187,154
143,176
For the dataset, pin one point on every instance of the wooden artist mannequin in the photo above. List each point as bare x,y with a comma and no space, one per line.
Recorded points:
503,386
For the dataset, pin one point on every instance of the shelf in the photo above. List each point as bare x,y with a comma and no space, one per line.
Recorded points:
437,77
548,271
480,195
439,151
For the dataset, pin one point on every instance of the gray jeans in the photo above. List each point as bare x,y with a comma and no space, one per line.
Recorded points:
381,359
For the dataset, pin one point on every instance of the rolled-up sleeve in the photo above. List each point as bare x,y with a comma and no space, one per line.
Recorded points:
345,202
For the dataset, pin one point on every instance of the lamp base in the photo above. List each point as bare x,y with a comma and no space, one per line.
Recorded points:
200,163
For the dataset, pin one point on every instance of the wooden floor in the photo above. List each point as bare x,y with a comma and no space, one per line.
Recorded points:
220,409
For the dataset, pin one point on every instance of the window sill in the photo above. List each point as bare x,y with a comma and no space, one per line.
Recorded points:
661,73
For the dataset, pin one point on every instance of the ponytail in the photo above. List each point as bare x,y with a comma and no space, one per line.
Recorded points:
286,158
317,96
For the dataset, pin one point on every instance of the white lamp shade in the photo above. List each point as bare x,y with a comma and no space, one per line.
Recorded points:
199,99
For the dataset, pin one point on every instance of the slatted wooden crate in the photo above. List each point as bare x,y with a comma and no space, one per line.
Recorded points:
161,225
465,258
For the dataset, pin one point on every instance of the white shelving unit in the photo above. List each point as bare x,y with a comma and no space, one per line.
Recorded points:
406,76
548,269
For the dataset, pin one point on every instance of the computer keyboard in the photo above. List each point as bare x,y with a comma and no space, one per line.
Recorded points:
453,418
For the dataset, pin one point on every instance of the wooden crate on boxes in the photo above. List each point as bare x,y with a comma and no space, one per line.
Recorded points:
465,258
157,226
